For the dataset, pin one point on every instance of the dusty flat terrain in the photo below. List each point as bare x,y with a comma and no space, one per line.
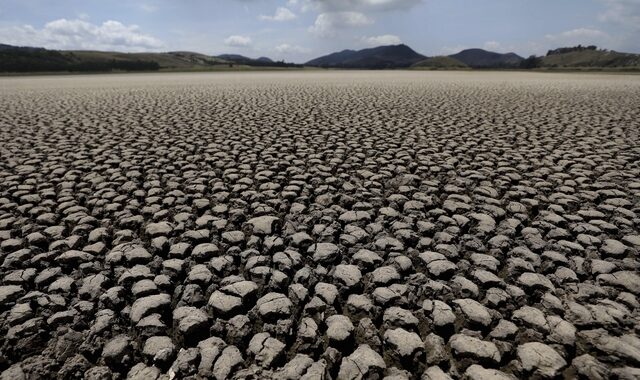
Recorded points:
320,225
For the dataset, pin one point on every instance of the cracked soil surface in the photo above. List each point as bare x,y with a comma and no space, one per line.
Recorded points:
320,225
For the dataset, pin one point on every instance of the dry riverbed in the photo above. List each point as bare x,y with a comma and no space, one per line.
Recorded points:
318,225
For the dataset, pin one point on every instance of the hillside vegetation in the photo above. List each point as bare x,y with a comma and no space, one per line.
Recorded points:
33,59
482,59
440,62
26,59
177,59
29,59
382,57
590,58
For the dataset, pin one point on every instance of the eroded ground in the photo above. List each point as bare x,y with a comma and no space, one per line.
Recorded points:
320,225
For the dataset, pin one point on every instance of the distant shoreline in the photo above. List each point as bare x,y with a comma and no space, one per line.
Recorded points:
16,60
161,71
631,71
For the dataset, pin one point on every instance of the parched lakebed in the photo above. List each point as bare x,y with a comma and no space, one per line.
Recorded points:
320,225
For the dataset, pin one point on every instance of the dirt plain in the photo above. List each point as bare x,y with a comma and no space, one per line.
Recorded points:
318,225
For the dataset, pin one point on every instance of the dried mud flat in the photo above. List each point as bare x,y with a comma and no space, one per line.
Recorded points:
325,225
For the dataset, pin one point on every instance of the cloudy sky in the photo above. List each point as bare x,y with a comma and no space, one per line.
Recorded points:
297,30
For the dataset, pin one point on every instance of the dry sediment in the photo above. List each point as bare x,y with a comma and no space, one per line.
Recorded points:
347,225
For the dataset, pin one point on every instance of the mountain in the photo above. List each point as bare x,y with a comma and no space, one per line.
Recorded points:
242,60
332,59
589,57
32,59
234,57
22,59
480,59
571,49
382,57
440,62
4,47
169,60
36,59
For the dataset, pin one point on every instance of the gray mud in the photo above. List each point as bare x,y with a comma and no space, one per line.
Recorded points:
345,225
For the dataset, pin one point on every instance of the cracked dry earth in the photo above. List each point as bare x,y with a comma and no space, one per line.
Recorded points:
320,225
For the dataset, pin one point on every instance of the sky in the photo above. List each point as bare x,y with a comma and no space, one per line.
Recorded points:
299,30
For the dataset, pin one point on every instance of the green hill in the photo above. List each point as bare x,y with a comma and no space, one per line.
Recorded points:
440,62
381,57
29,59
589,58
170,60
257,62
482,59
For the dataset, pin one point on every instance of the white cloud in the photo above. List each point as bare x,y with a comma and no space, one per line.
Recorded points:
286,49
359,5
573,37
282,14
237,41
577,34
386,39
81,34
326,24
580,36
492,46
623,12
